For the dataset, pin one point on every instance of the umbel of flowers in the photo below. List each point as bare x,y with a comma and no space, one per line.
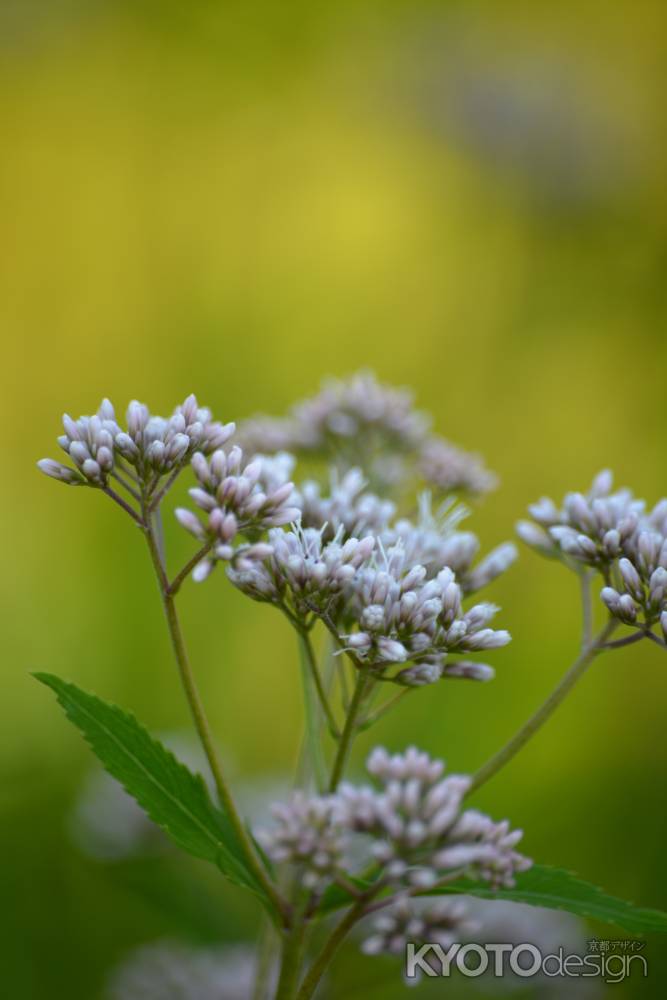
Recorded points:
368,549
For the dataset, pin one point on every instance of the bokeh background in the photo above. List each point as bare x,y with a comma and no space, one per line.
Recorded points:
238,199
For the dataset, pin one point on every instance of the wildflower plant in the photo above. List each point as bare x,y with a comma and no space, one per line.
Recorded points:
369,551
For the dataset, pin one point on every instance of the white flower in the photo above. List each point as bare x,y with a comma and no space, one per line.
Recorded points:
410,825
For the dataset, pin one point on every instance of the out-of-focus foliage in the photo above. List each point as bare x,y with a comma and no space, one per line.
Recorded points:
238,199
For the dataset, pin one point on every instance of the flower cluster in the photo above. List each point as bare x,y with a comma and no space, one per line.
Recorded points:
89,442
435,543
159,445
445,467
360,422
238,498
309,833
409,920
414,830
385,608
151,446
400,615
613,534
348,508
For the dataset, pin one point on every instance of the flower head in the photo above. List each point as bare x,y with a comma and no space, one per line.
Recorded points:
89,443
309,835
411,828
238,498
419,831
612,533
359,422
149,448
417,921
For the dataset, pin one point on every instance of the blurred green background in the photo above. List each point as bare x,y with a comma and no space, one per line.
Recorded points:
238,199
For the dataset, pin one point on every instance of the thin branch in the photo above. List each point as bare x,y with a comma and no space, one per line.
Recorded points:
180,578
130,489
309,655
364,680
586,609
349,887
162,492
312,763
453,876
340,932
203,728
127,470
627,640
122,503
654,638
371,719
536,721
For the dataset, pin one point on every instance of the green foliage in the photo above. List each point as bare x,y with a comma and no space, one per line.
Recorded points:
552,888
175,799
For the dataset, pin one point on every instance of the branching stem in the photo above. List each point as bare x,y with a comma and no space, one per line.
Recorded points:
309,656
182,576
362,686
202,725
122,503
536,721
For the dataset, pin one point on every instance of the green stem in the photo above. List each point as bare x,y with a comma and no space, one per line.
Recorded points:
317,969
311,663
265,957
181,576
202,724
122,503
160,495
311,765
290,967
375,716
536,721
586,609
364,680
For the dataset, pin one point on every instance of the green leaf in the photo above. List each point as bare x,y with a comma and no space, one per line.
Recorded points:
541,885
557,889
175,799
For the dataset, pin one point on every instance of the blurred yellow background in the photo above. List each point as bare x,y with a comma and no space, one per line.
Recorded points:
237,199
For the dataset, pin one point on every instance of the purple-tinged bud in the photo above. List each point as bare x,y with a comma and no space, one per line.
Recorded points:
627,609
544,512
631,579
71,428
391,651
658,586
602,484
60,472
155,453
487,639
610,598
202,498
612,542
79,452
104,458
137,418
126,446
106,410
470,670
190,522
580,514
92,472
202,570
535,536
587,547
